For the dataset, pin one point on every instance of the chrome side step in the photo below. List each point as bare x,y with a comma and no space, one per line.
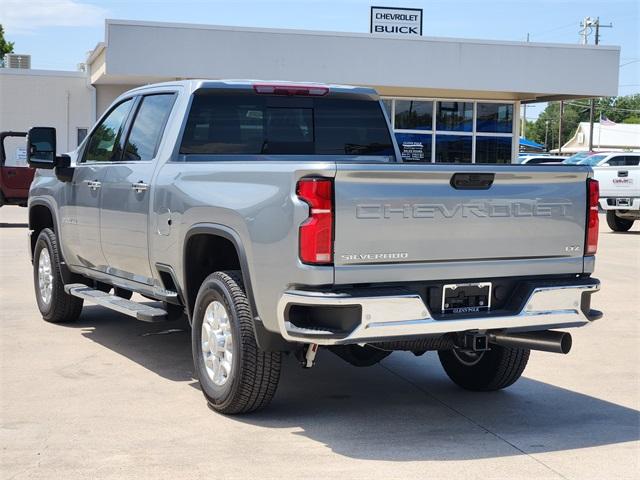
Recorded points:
136,310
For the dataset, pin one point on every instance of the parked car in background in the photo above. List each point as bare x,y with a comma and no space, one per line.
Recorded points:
524,155
620,194
15,174
544,159
577,158
613,159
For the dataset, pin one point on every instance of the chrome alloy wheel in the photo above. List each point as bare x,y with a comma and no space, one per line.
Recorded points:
45,276
217,343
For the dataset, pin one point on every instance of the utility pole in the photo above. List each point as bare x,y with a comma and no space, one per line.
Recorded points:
546,135
586,25
560,128
523,130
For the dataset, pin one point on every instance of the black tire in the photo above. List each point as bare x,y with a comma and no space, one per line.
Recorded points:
360,356
61,307
616,223
494,369
254,373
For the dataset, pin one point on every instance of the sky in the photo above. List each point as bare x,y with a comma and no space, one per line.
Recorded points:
59,33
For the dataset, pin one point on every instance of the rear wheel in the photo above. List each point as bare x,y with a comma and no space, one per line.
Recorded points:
235,375
54,303
484,371
616,223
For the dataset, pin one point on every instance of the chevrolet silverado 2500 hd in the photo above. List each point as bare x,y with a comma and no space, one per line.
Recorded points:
279,217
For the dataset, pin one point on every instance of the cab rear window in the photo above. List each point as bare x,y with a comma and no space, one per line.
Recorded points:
250,124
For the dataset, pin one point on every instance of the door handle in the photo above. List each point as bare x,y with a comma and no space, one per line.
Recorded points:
472,181
94,184
140,187
623,173
11,173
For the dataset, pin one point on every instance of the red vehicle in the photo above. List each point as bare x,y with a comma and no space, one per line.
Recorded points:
14,179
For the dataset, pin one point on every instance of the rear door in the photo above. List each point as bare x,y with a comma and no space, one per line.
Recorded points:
126,190
413,222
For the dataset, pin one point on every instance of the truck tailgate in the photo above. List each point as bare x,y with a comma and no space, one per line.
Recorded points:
618,181
407,221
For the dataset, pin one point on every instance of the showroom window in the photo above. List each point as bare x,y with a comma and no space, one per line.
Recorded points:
452,131
495,117
413,115
493,149
455,116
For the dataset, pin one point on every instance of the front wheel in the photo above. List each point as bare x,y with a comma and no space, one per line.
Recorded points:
54,303
616,223
493,369
235,375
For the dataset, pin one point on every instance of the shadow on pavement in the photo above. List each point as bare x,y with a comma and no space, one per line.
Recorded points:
403,410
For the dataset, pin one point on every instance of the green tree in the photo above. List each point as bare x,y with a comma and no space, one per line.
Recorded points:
624,109
5,47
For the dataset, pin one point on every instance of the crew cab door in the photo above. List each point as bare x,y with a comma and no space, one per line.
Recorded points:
80,210
127,189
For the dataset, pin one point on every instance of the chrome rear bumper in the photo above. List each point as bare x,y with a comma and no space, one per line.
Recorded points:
384,316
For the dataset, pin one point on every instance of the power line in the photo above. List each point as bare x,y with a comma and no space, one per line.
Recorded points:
550,30
575,104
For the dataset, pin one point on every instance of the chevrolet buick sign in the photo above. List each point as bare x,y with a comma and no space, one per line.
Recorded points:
396,21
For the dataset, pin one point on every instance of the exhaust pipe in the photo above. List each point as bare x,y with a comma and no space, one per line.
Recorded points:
546,341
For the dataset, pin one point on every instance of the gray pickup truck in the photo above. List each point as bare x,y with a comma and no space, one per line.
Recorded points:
280,218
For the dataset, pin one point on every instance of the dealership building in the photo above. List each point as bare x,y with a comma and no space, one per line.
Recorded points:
449,99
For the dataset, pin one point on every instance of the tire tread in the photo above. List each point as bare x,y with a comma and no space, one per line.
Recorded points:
260,370
65,308
499,368
618,224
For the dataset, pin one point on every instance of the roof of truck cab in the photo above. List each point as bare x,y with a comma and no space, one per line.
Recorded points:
196,84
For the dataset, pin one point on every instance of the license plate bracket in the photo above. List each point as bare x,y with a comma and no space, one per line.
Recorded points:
466,297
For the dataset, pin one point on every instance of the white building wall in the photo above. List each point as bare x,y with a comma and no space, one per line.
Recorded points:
45,98
152,50
106,94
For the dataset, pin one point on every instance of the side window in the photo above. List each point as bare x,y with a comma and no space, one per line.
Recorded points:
147,128
103,144
615,161
632,160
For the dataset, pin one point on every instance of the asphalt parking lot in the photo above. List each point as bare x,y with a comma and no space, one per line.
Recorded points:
110,397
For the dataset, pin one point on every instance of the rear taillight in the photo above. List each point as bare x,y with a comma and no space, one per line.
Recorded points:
289,89
592,218
316,233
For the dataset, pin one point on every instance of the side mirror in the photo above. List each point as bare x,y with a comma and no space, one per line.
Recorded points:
41,147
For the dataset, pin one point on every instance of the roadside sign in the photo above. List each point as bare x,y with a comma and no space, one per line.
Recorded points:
396,21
